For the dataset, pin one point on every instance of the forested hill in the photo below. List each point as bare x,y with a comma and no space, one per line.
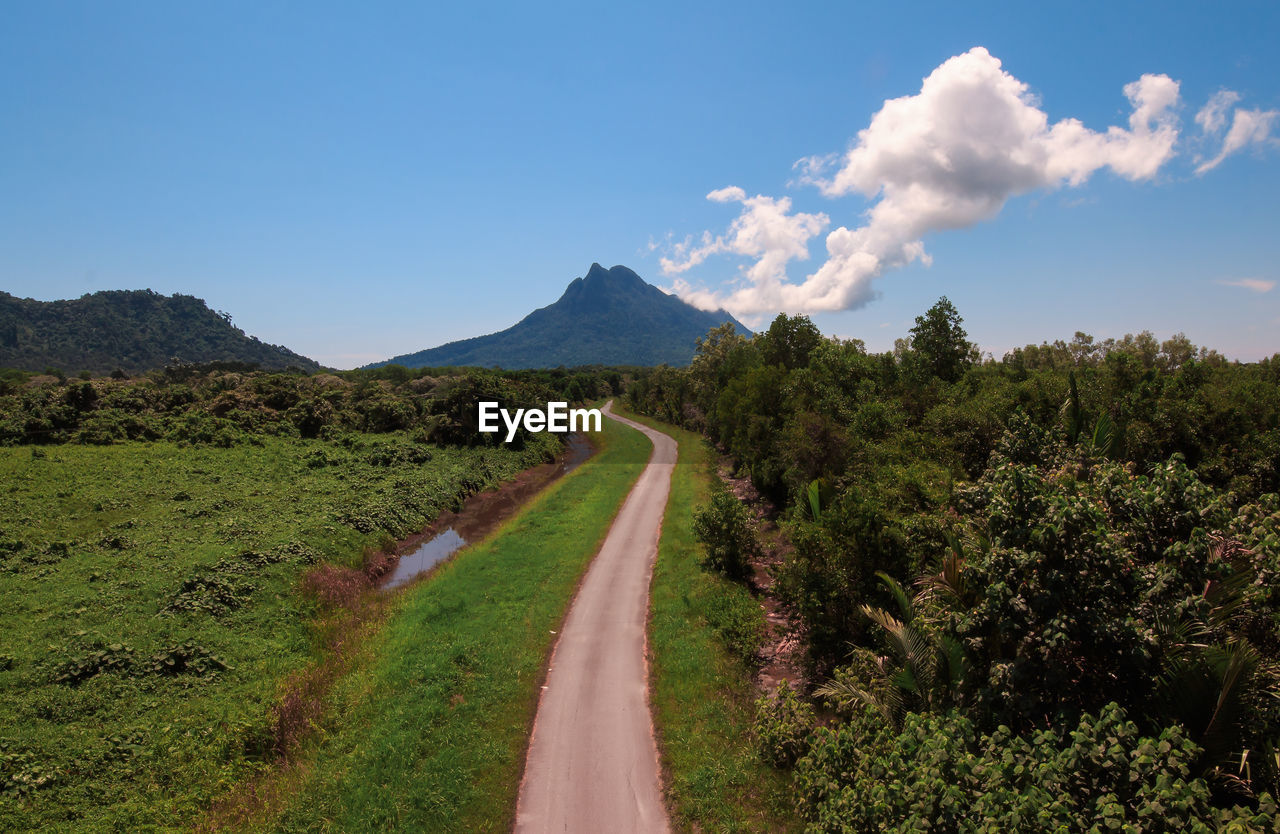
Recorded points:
609,317
132,330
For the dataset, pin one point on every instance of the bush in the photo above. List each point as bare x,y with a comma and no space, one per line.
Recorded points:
189,658
737,619
831,574
937,773
724,529
783,726
210,592
115,657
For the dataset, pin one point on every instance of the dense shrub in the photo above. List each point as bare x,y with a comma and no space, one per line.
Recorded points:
831,573
735,616
938,773
783,726
223,404
1071,526
724,529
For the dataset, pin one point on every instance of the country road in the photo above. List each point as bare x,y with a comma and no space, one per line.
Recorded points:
592,764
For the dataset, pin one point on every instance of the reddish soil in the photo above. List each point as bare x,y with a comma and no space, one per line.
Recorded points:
782,653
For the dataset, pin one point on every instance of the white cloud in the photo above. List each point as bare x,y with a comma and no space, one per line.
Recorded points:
1248,127
1258,285
1213,116
766,230
947,157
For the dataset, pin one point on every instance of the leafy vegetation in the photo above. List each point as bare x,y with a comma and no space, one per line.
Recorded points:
176,552
938,773
128,330
723,529
152,608
220,405
1053,569
783,726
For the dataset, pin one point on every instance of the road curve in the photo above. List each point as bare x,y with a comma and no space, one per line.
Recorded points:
592,764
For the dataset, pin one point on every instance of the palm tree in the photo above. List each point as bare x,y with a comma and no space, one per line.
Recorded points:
921,671
1213,675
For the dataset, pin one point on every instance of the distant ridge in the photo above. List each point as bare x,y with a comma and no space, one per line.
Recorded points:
608,317
132,330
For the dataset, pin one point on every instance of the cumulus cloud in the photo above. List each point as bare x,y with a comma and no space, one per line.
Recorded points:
766,230
947,157
1258,285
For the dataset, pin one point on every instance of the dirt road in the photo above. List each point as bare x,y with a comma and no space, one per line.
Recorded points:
593,764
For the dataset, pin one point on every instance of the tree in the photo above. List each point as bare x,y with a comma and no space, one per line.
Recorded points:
941,343
724,528
789,341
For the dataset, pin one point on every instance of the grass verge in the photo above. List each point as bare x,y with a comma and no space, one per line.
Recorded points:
701,691
432,724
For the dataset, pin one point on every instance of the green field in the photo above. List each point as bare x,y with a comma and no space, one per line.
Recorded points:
151,607
153,614
435,718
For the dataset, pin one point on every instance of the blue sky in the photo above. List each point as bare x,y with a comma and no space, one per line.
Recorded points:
358,183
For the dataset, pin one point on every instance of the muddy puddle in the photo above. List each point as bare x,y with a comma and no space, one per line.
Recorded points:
480,514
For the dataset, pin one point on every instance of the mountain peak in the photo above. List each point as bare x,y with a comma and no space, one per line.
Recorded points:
617,275
606,317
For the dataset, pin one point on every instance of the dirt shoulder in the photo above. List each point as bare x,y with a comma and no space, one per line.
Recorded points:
781,652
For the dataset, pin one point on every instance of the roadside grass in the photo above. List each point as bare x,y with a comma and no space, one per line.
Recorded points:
700,627
150,607
429,730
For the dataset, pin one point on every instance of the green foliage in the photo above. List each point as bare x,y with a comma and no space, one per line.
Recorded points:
132,331
151,602
830,575
23,773
115,657
737,622
783,726
187,658
940,343
923,670
723,527
210,593
789,342
938,773
1076,525
224,408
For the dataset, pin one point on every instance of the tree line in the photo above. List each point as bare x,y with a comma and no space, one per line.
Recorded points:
225,403
1036,592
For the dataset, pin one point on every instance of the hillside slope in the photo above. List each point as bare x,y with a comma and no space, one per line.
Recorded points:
608,317
133,330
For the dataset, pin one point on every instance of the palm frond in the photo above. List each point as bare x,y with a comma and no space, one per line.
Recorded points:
899,595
